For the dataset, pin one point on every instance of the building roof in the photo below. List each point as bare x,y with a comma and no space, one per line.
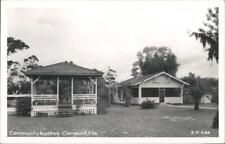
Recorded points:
62,69
140,79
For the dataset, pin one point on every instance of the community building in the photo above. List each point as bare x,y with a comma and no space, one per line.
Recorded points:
63,89
160,88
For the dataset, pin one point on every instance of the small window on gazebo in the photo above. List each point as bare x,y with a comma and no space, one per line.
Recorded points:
83,86
46,85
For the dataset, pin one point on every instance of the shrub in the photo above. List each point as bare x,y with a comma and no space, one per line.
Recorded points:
148,104
128,96
216,121
103,94
102,107
187,99
23,106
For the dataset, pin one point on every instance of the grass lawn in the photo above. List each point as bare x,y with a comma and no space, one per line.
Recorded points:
121,121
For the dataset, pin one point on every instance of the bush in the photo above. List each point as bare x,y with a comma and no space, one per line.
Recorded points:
216,121
102,93
127,96
187,99
102,107
23,106
148,104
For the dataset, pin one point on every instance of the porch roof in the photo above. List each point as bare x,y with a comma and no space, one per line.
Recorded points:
63,69
140,79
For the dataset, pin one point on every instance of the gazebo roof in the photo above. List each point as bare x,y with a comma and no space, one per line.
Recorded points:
63,69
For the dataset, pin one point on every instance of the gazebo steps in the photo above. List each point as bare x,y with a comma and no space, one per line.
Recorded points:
65,112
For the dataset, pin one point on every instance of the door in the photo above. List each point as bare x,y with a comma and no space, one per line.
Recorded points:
65,95
161,94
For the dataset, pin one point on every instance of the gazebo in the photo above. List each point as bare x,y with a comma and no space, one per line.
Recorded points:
63,89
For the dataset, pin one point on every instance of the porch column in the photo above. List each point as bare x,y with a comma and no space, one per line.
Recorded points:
139,94
96,95
57,90
31,92
182,93
72,91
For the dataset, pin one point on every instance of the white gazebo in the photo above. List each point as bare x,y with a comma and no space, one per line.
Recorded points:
63,89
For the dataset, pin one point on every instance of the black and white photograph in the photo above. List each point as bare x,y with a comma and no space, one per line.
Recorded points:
141,70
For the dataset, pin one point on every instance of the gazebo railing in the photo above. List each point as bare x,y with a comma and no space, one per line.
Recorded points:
79,99
44,99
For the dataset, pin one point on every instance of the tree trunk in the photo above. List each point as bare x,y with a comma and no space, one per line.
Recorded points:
196,106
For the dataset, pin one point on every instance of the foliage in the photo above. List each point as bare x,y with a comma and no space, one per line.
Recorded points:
127,96
208,86
148,104
17,81
23,106
196,88
14,45
110,77
216,120
187,98
155,59
102,93
208,35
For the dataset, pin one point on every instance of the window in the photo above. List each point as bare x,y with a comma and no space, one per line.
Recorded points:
45,85
150,92
172,92
83,86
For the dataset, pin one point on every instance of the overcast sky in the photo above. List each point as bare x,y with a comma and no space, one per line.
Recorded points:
103,34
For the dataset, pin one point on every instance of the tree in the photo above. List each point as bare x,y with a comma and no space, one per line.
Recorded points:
196,88
208,35
152,60
102,93
17,81
209,38
13,45
110,77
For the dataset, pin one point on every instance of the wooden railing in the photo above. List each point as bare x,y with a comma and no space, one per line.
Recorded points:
79,99
44,99
18,95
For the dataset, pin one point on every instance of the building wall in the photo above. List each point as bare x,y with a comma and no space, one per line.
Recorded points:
155,99
173,100
161,81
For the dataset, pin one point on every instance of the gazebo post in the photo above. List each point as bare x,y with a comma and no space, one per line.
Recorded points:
72,91
96,94
31,92
57,91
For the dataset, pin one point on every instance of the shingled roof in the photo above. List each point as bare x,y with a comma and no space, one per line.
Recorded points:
64,68
139,79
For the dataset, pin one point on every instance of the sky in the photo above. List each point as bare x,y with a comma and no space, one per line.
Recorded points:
102,34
